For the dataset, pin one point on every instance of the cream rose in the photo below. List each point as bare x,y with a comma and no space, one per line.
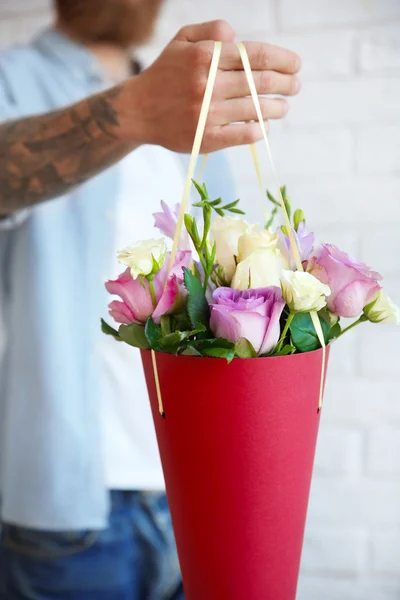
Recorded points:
226,231
259,269
303,292
143,258
255,240
382,310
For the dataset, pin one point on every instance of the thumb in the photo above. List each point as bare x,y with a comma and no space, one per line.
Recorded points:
218,31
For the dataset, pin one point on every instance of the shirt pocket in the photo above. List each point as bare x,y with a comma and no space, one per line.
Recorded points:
47,544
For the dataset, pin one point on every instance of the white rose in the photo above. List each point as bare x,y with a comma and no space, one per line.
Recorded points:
303,292
226,231
143,258
382,310
255,240
260,269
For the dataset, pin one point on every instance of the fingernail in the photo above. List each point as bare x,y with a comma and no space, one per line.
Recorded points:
296,85
298,63
286,108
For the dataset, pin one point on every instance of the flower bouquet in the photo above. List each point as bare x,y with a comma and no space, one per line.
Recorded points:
239,436
234,323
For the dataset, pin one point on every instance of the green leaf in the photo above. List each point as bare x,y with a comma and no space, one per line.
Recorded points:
227,353
231,205
166,323
197,306
288,349
155,266
237,211
175,338
334,332
298,218
207,212
134,335
191,351
108,330
272,199
153,334
244,349
272,217
304,336
201,188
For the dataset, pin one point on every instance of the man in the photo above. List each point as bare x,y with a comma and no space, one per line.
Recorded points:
76,429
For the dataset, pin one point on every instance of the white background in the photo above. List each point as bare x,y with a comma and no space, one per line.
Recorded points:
339,153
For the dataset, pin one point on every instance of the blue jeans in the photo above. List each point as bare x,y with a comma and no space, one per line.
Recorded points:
133,559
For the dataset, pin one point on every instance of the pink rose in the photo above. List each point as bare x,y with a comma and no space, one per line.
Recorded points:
353,285
251,314
136,305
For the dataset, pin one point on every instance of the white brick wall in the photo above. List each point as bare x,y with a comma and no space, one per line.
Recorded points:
339,152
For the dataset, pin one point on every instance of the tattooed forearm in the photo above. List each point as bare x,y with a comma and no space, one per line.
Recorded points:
45,156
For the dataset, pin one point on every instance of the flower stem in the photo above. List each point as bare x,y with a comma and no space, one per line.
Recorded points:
362,319
152,292
284,332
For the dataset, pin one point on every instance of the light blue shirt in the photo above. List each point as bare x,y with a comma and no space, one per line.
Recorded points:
52,258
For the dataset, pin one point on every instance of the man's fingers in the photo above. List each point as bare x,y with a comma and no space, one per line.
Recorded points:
243,109
237,134
218,31
234,84
262,57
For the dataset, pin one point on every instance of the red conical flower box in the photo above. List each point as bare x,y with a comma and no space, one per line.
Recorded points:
237,448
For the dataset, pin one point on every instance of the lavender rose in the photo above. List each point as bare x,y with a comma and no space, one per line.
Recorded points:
353,285
304,241
252,314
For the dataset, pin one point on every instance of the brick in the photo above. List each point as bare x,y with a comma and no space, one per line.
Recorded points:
316,13
339,451
324,54
383,454
332,202
381,248
378,149
379,351
355,502
180,12
341,588
20,30
361,101
379,49
339,551
21,7
342,359
361,402
386,552
298,152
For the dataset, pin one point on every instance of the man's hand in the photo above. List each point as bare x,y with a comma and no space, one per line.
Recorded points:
163,103
46,155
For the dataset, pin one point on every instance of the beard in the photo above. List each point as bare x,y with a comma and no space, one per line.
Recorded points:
124,23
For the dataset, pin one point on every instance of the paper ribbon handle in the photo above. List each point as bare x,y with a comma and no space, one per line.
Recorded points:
294,248
205,107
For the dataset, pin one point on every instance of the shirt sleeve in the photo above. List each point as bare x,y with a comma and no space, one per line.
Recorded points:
9,111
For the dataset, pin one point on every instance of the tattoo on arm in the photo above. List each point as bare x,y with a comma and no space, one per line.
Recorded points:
45,156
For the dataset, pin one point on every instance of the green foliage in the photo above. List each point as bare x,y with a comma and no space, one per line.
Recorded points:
134,335
288,349
153,334
298,218
304,336
244,349
197,305
108,330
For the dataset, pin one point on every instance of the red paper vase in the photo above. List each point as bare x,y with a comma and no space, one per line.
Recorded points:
237,447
